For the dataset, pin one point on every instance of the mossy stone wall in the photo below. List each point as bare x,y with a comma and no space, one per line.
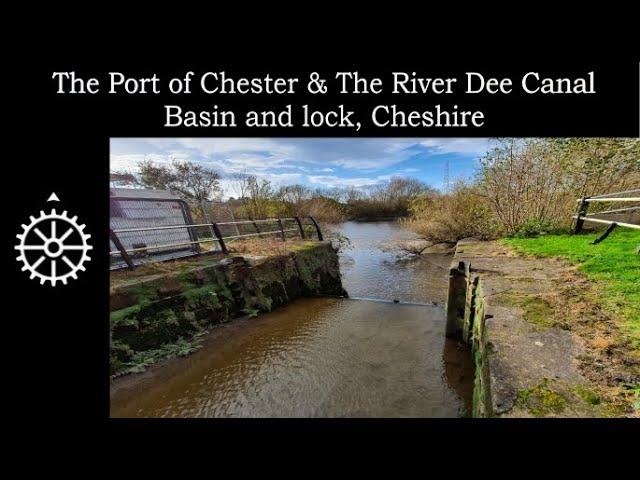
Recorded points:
161,310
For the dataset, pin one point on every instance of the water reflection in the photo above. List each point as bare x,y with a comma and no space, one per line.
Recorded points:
371,267
314,358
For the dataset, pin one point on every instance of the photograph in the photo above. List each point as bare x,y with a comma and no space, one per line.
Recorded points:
360,277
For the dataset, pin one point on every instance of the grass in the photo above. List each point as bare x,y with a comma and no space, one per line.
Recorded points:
612,264
541,400
535,309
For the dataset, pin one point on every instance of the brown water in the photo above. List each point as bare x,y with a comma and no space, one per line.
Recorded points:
374,268
324,357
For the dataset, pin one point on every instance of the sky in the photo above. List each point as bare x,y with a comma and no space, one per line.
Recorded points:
315,162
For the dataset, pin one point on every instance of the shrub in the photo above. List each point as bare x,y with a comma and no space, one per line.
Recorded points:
533,227
452,216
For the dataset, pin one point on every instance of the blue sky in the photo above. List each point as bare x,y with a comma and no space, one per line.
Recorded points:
315,162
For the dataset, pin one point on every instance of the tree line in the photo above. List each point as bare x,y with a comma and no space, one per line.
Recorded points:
526,187
258,198
520,187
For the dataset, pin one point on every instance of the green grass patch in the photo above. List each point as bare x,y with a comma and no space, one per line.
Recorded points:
124,315
587,395
535,309
612,264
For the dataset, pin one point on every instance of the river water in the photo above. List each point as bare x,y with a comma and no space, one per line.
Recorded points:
325,357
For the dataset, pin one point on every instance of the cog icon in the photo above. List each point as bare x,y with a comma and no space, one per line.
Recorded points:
53,247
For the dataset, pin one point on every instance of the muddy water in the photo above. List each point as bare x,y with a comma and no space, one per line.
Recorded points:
373,267
324,357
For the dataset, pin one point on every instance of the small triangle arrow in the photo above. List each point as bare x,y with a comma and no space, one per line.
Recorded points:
53,198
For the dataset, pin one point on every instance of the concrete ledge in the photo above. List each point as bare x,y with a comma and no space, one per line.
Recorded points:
525,366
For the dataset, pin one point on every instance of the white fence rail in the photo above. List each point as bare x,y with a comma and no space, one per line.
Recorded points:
582,216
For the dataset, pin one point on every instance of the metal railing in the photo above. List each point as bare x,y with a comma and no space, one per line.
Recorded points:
280,223
582,216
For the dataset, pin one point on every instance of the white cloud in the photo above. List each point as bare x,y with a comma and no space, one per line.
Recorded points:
473,146
320,161
129,162
329,181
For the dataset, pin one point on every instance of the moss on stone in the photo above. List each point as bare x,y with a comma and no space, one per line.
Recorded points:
145,291
125,315
179,305
535,309
587,394
541,400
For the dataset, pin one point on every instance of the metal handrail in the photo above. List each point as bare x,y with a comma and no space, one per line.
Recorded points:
195,225
124,252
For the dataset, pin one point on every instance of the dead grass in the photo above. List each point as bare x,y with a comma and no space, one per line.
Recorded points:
611,361
265,246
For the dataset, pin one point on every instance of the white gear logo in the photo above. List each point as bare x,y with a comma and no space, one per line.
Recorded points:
48,256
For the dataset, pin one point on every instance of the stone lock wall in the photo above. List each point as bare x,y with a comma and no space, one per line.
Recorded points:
148,314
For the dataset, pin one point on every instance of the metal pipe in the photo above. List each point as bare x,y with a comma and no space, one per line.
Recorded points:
317,228
266,220
169,245
261,233
123,251
166,227
208,240
172,227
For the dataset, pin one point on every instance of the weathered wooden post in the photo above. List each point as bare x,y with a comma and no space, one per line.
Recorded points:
457,299
300,227
582,211
606,233
123,251
223,246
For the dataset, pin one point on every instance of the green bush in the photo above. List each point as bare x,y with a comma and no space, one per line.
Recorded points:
533,227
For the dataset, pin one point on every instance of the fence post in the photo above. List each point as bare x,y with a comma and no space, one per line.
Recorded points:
123,251
223,246
582,211
605,234
300,227
317,228
281,230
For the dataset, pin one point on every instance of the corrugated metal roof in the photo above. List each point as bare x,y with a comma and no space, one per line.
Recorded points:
142,193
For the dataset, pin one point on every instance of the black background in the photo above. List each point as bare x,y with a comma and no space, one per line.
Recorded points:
57,363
